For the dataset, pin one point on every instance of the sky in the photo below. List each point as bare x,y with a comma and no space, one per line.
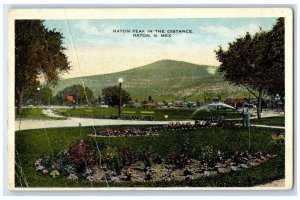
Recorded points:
94,48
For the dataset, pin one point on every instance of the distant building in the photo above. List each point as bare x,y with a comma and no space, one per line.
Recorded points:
70,98
150,105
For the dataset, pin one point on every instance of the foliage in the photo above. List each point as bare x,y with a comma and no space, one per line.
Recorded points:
33,144
112,158
83,154
278,138
256,62
148,157
185,156
172,156
129,157
111,95
38,52
83,95
46,95
32,96
207,155
179,159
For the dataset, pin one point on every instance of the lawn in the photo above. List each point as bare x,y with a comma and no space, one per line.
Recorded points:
271,121
33,113
129,113
34,144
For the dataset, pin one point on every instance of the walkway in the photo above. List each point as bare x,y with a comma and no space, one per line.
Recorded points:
25,124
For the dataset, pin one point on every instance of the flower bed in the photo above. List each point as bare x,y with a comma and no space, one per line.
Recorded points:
151,130
82,162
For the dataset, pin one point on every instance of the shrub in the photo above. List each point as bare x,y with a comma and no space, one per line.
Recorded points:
112,158
147,157
184,157
172,157
208,156
83,154
180,160
128,156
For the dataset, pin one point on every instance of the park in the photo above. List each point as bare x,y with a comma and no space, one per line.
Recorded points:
165,124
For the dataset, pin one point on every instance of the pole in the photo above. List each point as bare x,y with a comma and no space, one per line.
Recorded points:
38,97
120,99
249,142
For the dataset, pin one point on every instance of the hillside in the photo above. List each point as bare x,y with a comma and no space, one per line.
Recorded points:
162,78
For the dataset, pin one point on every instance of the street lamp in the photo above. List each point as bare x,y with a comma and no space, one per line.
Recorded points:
38,97
120,81
277,98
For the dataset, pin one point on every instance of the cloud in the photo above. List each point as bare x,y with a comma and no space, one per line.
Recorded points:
230,33
100,30
85,27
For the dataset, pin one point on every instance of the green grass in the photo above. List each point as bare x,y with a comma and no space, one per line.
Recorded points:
111,112
271,121
34,144
33,113
215,114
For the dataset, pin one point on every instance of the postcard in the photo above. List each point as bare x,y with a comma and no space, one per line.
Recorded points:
150,99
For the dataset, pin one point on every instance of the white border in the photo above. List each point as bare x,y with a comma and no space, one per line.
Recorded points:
143,13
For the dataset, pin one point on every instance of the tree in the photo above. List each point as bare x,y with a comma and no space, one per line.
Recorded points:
111,95
38,53
255,62
46,95
277,59
82,95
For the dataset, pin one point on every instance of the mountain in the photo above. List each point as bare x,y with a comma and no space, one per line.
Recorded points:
162,78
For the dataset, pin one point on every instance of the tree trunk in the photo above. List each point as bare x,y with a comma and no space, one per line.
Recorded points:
259,107
20,96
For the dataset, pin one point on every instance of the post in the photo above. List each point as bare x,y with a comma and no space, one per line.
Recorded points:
120,80
277,101
38,97
120,98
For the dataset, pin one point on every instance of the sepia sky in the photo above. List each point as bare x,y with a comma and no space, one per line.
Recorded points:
93,47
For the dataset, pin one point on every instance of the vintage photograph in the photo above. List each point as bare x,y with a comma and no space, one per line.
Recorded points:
151,99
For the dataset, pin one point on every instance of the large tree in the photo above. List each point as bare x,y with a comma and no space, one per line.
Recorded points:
111,95
39,54
256,62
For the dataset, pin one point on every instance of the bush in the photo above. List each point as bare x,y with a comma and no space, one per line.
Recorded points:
207,156
147,156
128,157
112,158
182,159
83,154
